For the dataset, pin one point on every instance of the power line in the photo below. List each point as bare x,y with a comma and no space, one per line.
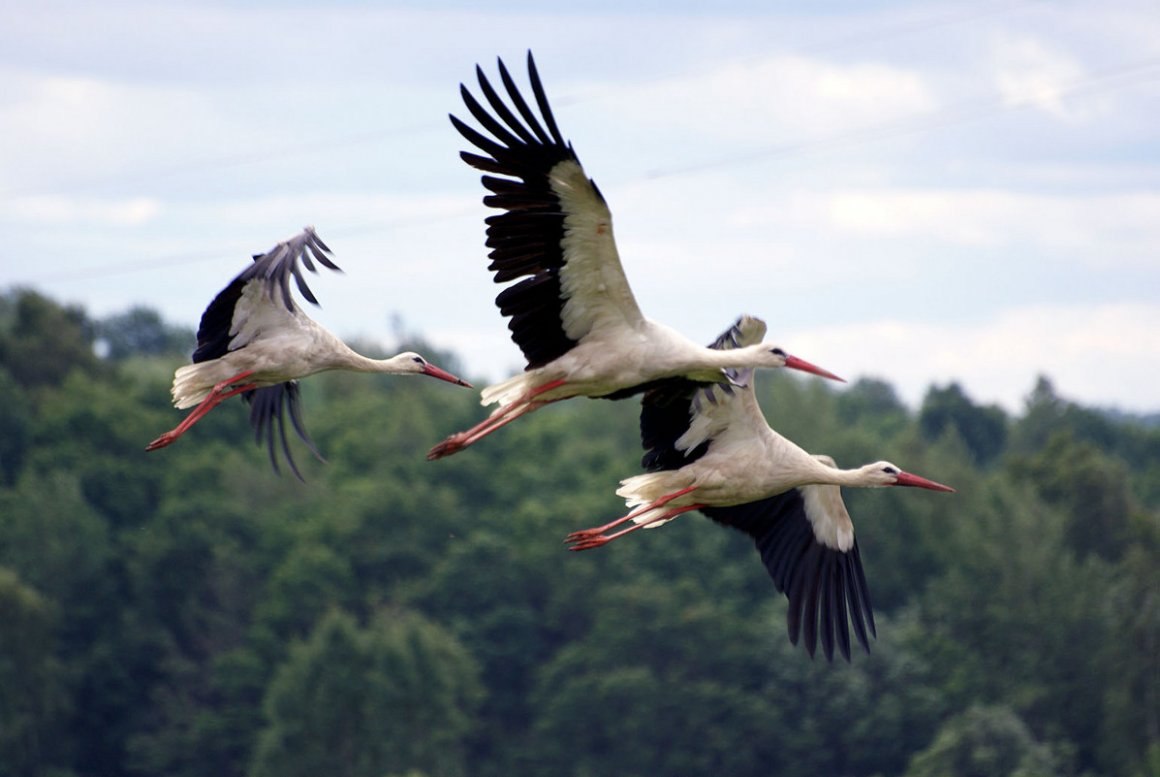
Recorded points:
962,113
321,145
237,249
970,111
227,161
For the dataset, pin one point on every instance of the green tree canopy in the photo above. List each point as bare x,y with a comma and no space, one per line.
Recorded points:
983,429
397,695
984,742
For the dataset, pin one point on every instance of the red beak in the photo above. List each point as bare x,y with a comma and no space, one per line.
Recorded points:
907,479
435,372
794,363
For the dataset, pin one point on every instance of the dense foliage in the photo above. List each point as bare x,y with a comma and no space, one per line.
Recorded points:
188,612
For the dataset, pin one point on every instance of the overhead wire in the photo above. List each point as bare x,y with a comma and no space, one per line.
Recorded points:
1106,80
228,161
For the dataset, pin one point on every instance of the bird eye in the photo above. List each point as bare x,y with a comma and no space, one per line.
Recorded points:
417,359
890,470
778,352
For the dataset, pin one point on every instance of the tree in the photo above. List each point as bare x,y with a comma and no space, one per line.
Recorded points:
15,423
59,546
984,742
983,429
140,331
1043,416
671,681
873,404
190,613
33,702
397,695
1088,486
1018,621
43,341
1131,739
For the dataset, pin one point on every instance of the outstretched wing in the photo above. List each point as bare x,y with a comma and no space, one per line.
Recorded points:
674,405
556,230
823,580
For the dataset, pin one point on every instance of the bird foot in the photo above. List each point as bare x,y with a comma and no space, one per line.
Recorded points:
166,439
583,534
587,543
453,444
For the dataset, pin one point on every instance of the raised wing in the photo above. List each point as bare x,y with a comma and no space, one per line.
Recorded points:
825,584
275,267
272,272
556,230
670,411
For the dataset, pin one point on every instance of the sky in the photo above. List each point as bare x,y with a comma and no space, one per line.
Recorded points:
918,192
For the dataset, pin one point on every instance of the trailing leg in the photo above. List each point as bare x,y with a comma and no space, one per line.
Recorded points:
212,400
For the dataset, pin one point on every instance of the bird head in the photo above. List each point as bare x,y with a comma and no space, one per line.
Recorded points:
410,361
779,358
883,473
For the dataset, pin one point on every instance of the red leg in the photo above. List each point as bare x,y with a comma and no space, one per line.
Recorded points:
583,534
212,400
460,440
595,542
500,418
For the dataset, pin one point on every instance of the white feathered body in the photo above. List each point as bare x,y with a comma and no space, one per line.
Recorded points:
273,343
609,359
746,461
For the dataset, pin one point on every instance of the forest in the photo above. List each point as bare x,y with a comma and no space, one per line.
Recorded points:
191,613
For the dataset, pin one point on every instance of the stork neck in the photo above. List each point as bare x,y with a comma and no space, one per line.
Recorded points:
346,358
391,365
821,474
731,357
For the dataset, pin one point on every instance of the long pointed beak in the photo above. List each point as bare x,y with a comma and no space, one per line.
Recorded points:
915,481
435,372
794,363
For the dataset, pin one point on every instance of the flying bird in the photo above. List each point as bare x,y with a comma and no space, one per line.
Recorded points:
572,313
254,340
709,448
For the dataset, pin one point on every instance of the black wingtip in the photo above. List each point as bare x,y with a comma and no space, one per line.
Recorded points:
269,408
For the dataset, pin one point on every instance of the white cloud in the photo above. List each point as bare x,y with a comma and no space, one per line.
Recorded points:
778,98
1030,72
71,211
177,139
1100,354
69,132
1117,229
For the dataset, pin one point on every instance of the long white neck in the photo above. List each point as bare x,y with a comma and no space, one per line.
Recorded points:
345,358
824,473
747,356
394,365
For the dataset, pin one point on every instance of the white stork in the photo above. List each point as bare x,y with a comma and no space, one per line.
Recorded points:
255,341
710,449
573,314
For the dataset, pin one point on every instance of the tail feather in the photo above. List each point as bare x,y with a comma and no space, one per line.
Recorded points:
647,488
508,391
189,386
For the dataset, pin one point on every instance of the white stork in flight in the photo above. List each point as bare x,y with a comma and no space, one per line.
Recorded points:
709,448
255,341
572,314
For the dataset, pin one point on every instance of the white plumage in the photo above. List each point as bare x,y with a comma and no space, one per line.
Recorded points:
573,313
255,340
710,449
